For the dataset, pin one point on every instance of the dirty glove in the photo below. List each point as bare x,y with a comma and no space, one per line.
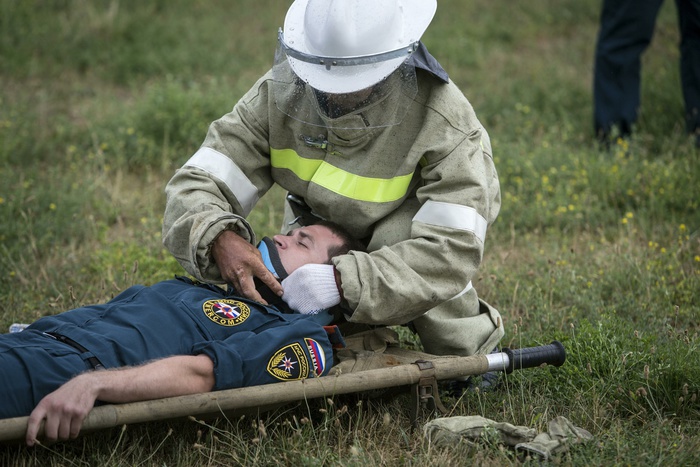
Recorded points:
561,433
311,289
450,430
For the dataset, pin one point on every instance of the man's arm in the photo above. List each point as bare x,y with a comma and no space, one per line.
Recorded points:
64,410
217,188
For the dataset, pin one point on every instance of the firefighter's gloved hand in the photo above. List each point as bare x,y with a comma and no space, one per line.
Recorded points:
311,289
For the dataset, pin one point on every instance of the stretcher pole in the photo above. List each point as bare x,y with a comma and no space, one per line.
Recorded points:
212,403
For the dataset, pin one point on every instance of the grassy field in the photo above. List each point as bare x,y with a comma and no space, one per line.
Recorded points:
101,101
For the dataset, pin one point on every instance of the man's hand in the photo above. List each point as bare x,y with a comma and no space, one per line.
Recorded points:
63,411
239,262
311,289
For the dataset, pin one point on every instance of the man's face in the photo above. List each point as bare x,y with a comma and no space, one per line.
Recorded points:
305,245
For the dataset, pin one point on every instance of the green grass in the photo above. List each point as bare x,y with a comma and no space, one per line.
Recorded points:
101,101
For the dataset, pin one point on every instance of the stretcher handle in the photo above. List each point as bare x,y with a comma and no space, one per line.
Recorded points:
529,357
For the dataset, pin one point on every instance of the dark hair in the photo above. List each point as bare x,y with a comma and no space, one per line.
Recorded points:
349,243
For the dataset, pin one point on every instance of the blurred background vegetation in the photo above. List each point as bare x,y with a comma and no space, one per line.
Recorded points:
101,101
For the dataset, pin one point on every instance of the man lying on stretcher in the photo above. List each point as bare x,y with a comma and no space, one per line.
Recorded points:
173,338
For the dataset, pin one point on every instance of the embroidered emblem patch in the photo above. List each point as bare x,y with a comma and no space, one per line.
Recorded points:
226,312
318,356
289,363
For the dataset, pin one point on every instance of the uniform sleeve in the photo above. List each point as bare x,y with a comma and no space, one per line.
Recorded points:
295,351
219,185
435,240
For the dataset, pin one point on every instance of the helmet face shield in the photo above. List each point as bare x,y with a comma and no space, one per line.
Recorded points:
352,93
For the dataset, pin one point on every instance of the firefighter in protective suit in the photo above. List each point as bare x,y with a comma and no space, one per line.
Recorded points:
362,126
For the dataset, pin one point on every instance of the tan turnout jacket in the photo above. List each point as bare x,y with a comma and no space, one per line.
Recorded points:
421,192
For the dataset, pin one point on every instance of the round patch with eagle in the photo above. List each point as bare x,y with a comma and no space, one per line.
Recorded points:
226,312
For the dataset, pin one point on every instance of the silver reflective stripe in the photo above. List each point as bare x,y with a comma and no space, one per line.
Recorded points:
452,215
220,166
466,289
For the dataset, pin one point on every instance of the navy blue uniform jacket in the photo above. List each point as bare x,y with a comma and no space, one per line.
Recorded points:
249,343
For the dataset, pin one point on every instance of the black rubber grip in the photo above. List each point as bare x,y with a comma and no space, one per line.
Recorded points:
552,354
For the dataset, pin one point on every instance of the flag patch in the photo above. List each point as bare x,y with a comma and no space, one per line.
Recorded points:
289,363
318,356
226,312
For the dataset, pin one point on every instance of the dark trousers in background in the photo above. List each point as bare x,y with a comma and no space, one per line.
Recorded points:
626,29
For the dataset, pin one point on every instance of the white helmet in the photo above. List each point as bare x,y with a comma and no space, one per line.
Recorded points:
342,46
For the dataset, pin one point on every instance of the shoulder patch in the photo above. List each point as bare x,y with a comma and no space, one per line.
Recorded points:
318,356
289,363
226,312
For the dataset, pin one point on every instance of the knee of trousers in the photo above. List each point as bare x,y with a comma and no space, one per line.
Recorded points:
465,325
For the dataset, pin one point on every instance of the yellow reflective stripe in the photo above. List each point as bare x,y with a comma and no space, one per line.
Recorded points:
357,187
290,160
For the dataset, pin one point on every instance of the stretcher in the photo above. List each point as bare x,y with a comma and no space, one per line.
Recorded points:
379,365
